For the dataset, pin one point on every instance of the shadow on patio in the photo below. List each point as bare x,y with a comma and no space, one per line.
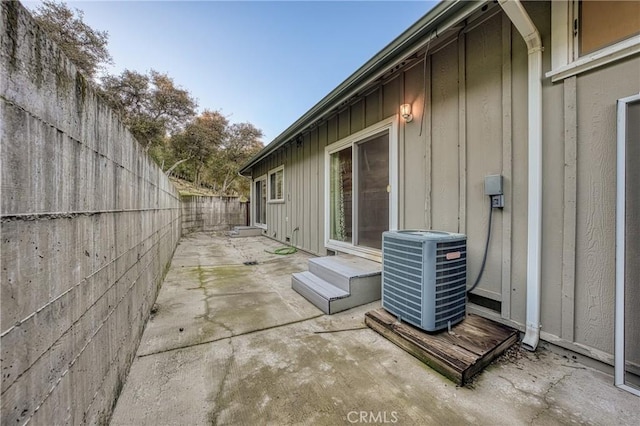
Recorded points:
230,343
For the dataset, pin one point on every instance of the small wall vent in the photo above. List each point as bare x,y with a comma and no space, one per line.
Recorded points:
424,277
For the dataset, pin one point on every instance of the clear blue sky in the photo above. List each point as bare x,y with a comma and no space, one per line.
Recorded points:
264,62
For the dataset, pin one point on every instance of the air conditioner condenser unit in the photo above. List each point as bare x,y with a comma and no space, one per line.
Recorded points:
424,277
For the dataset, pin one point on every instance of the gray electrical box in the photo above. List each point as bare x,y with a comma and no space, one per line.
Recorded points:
493,185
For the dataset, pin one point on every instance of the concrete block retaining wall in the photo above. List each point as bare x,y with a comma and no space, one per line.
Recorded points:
212,213
88,227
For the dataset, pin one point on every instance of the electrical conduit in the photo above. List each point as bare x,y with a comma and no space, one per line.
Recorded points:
523,23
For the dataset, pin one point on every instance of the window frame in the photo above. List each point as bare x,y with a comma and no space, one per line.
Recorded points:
273,172
621,214
565,57
255,201
391,126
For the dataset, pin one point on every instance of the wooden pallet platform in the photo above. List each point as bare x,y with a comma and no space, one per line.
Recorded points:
459,355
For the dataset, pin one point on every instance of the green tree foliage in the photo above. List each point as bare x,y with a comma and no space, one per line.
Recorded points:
151,105
211,150
199,141
84,46
161,115
242,142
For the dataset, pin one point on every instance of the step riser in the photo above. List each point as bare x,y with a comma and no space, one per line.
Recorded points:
367,289
363,290
335,284
313,297
329,275
363,297
345,283
320,286
248,232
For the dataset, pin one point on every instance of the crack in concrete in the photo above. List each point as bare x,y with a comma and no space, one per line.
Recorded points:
340,330
213,415
207,308
220,265
239,293
209,317
543,397
513,385
230,337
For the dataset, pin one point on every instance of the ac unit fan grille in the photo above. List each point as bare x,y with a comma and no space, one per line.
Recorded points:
451,283
403,269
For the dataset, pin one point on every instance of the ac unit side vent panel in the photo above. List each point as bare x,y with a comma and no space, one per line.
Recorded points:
424,277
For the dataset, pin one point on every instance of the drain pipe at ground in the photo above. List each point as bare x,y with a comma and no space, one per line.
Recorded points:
523,23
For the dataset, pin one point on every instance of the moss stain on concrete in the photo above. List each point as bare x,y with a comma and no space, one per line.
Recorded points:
37,73
232,302
11,15
62,79
81,92
213,324
11,12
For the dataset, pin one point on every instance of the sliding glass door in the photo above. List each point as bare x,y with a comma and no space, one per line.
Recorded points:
359,192
372,159
260,201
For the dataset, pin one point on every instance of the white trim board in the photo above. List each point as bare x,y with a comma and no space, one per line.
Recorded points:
254,203
565,61
620,244
390,125
271,172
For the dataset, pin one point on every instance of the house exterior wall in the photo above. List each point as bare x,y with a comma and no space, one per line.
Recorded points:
304,172
475,124
595,103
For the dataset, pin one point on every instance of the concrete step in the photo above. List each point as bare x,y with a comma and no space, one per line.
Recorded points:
316,290
338,283
343,270
245,231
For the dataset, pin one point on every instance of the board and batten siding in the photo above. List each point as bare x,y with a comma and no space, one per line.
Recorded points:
595,102
469,102
443,156
304,169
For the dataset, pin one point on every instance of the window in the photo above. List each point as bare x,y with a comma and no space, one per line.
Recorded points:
586,35
260,201
276,185
604,23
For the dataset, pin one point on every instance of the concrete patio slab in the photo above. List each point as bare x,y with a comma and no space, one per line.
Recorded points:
252,351
205,297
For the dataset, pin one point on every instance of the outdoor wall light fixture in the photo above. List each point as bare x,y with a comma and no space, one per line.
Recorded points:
405,112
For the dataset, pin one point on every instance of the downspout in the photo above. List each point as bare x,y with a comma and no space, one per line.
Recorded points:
523,23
